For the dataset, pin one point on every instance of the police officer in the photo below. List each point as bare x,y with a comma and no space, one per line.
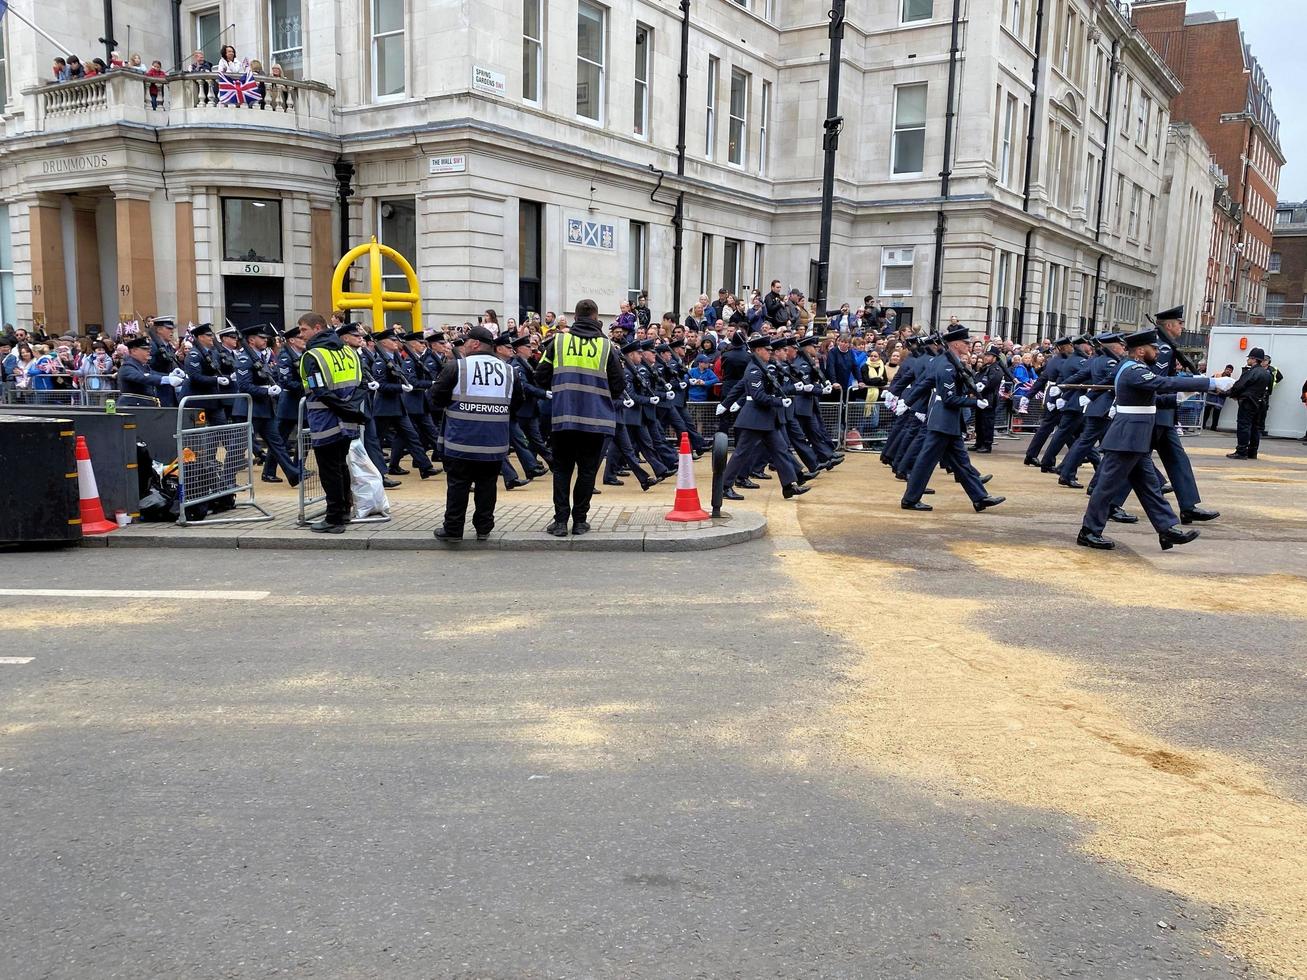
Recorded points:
1047,382
945,439
811,382
254,378
1166,440
393,423
332,377
140,385
164,358
355,337
653,408
535,399
761,406
477,393
1070,416
1252,389
292,389
583,374
224,353
202,375
517,440
415,401
988,382
1095,402
1128,445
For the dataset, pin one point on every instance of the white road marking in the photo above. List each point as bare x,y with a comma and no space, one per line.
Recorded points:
131,594
15,660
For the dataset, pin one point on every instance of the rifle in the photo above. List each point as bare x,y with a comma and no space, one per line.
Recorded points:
965,377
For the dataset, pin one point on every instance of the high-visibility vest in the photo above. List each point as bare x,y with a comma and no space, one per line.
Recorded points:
477,419
339,372
582,401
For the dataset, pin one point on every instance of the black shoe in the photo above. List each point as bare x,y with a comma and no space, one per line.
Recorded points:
914,505
1030,461
428,474
1198,514
1172,537
746,484
648,485
581,527
730,494
927,490
986,478
979,450
1236,455
986,502
761,476
537,473
1167,488
390,484
558,529
1088,539
793,490
1047,469
697,453
1122,516
514,484
398,471
612,481
448,536
260,458
621,472
1252,455
294,481
274,479
483,536
1073,483
322,527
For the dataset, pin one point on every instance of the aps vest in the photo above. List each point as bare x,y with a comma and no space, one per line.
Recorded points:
477,420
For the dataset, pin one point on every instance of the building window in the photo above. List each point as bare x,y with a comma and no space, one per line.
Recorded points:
530,257
1091,182
643,59
4,69
915,10
286,29
387,48
639,266
1275,305
896,271
758,266
1148,226
710,124
590,41
1136,202
533,49
251,230
909,151
764,121
8,300
208,31
397,227
1008,140
1144,119
733,256
737,147
1119,205
705,263
1013,16
1274,264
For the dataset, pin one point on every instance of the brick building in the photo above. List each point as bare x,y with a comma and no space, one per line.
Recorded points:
1227,98
1286,283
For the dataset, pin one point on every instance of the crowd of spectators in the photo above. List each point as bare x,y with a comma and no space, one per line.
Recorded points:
70,67
32,362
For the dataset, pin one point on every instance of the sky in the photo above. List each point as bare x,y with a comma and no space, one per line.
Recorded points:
1275,30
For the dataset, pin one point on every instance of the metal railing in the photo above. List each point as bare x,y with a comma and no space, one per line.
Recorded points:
80,391
211,459
1274,315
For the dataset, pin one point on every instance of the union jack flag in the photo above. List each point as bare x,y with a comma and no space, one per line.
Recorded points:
238,91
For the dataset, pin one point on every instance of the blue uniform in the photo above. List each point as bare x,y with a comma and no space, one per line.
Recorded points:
393,423
1102,371
1051,374
758,429
1128,444
164,360
945,435
1070,419
254,378
1166,441
139,385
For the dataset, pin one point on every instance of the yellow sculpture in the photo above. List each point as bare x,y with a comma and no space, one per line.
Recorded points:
378,299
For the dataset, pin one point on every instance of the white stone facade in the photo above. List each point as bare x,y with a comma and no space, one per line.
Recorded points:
462,149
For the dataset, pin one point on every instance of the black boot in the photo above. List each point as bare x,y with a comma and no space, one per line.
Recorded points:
1121,516
1198,514
986,502
1173,536
1088,539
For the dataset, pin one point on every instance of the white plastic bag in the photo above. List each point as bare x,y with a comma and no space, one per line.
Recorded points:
365,482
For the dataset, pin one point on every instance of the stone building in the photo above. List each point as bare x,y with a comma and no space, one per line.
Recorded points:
525,154
1286,278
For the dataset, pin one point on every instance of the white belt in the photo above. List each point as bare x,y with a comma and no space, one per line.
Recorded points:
1136,410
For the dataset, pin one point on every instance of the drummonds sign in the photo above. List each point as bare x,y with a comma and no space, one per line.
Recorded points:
75,164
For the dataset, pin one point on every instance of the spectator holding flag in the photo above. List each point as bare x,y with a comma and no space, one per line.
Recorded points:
227,63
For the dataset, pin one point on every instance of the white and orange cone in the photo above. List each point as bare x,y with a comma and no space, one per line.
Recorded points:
687,506
93,521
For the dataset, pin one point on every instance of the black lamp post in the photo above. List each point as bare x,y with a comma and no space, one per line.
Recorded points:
830,143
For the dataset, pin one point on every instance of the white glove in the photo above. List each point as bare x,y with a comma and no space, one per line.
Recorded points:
628,402
173,380
1054,391
1111,412
981,403
891,401
654,400
1179,431
921,416
223,380
374,385
178,373
736,406
1222,384
549,395
827,389
1084,402
1060,404
406,388
787,402
683,386
1024,406
721,409
274,390
900,407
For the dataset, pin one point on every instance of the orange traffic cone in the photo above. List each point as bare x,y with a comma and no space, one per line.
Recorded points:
93,521
687,507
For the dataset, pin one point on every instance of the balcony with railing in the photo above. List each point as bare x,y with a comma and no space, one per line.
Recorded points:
1276,314
193,98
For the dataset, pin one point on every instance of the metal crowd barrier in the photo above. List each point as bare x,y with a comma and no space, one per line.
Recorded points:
81,395
310,489
211,458
1189,415
866,425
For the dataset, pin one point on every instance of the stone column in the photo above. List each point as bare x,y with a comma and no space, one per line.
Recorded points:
323,255
188,302
49,287
90,307
136,290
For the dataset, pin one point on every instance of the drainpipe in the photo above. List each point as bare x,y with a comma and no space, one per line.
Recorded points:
833,125
941,219
1102,180
108,41
678,218
1030,164
177,35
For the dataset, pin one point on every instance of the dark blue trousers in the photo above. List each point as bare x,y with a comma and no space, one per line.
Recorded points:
753,446
1046,426
1083,448
951,450
1170,450
1117,476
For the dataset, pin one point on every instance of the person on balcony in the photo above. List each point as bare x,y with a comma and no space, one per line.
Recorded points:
59,70
228,63
96,67
156,71
199,62
135,63
75,69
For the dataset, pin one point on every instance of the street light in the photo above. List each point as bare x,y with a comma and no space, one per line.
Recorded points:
830,143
